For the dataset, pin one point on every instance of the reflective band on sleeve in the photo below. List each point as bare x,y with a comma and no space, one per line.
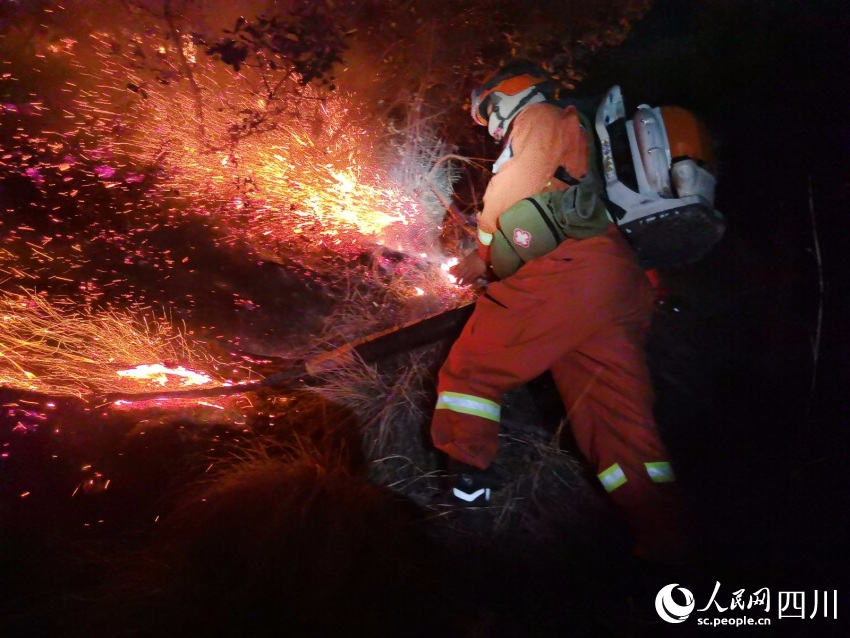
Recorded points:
468,404
660,472
612,478
485,238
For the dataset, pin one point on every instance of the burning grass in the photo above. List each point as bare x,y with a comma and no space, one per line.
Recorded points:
323,188
51,347
314,171
390,291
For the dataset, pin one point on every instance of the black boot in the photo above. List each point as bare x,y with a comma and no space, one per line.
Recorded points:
470,485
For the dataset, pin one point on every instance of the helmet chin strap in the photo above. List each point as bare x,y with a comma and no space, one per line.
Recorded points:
498,124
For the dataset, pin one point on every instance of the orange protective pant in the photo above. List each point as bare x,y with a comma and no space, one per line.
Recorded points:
581,312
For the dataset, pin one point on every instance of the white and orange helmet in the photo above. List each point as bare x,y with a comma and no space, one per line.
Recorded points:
506,92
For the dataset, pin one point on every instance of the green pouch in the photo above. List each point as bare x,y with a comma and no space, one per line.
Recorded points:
536,225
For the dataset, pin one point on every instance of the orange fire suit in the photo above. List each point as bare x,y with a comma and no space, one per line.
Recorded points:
582,312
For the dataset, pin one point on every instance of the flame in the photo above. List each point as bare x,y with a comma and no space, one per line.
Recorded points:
446,266
158,373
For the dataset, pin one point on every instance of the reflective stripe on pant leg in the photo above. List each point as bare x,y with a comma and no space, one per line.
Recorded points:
660,472
469,404
612,478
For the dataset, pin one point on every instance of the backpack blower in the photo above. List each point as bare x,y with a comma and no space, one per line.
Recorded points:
659,185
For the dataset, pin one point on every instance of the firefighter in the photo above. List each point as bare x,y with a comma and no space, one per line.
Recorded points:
581,311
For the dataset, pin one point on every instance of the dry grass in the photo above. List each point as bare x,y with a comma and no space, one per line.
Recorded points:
548,498
545,495
392,407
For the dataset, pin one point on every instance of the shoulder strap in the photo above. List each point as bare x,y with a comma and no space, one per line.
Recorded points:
547,218
562,174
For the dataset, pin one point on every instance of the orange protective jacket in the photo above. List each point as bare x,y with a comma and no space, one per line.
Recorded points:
543,137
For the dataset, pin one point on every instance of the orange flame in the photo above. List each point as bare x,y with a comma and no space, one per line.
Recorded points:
158,373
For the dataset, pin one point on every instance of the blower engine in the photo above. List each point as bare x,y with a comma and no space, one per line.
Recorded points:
658,176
